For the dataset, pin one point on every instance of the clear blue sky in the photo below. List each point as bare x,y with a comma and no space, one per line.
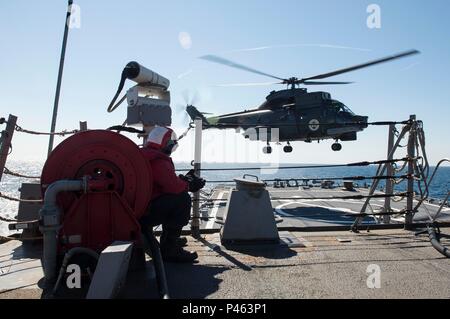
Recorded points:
115,32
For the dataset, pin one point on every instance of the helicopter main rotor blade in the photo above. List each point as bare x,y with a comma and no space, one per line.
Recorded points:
360,66
217,59
324,83
246,84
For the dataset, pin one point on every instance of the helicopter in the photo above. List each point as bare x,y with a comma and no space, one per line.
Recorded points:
298,115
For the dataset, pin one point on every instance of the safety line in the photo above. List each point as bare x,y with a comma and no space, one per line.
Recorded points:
20,200
62,133
7,220
364,163
303,179
9,172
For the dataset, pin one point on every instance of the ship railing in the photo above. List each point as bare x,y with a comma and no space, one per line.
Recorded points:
416,164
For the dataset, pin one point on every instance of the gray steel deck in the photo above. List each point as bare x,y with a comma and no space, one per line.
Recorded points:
318,212
324,264
326,267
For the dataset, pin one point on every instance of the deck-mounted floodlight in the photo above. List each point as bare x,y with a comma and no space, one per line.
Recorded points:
148,101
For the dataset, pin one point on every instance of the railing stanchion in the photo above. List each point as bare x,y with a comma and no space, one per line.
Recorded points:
390,172
195,223
411,158
6,137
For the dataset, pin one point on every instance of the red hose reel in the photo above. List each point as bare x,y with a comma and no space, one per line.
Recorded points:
120,186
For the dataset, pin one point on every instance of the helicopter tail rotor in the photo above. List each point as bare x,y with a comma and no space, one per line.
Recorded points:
188,99
196,114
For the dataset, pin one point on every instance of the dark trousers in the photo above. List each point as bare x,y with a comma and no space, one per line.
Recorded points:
172,211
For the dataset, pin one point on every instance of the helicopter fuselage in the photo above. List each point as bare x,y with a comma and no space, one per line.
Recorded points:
294,115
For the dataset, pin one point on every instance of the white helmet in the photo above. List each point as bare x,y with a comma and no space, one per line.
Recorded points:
163,139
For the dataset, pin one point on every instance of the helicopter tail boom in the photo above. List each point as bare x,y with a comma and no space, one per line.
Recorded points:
196,114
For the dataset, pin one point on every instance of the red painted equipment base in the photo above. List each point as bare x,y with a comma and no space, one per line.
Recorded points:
111,210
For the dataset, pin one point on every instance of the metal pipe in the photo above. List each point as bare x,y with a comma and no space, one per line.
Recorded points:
60,74
63,186
50,216
411,154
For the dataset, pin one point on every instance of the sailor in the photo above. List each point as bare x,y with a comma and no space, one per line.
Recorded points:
170,204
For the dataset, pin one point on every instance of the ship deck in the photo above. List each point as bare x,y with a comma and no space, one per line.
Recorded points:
315,213
318,263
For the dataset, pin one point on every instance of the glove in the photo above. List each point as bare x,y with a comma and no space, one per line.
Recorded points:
189,176
184,177
191,173
196,184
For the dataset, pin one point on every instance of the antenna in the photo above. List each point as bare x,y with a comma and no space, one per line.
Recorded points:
60,74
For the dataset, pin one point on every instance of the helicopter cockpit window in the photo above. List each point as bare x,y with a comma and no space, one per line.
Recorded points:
346,109
340,107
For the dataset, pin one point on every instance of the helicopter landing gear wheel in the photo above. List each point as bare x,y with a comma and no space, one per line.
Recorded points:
267,149
288,148
336,147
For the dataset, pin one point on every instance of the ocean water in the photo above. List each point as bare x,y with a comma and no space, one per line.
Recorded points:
10,185
438,189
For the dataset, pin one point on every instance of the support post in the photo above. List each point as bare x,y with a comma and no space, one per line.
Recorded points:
6,137
411,158
195,224
389,190
60,74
